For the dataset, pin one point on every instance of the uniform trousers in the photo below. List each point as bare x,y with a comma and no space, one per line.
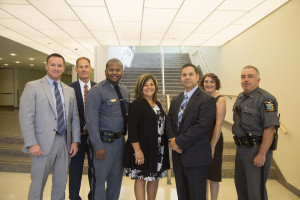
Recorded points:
247,176
190,181
58,161
109,170
76,168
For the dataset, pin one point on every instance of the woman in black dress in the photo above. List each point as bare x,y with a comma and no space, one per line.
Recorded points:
211,83
146,156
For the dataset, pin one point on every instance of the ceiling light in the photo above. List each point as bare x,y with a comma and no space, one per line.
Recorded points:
31,58
0,58
5,64
31,65
17,61
12,54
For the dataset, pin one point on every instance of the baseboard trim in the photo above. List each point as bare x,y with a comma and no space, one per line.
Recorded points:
293,189
280,178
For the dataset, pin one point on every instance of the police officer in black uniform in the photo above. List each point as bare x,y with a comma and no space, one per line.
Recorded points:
255,121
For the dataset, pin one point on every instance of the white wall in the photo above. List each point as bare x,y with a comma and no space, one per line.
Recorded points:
273,46
103,54
210,57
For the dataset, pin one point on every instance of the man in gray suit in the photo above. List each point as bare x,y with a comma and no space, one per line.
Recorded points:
50,127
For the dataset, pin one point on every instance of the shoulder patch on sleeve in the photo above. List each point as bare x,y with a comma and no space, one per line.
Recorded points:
269,105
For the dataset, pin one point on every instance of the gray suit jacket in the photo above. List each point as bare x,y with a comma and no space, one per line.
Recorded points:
37,115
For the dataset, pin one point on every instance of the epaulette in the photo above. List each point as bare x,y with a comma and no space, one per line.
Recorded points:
265,94
240,95
104,82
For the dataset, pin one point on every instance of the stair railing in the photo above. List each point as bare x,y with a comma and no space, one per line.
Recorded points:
162,69
198,52
169,172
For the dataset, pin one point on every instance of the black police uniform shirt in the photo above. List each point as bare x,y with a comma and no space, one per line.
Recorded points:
254,112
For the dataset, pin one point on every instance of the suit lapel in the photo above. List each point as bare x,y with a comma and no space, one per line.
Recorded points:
66,97
47,90
191,101
78,91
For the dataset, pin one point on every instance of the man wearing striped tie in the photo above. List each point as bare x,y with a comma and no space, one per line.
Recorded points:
50,127
188,125
81,87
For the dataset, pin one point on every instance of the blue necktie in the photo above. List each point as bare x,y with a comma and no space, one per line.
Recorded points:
60,112
181,109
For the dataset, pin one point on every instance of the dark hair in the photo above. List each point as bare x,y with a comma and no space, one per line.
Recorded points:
55,55
81,58
113,60
213,77
190,65
140,83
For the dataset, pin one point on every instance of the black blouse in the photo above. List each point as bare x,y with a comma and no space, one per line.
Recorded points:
143,128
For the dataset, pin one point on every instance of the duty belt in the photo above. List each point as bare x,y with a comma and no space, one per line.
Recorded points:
110,136
248,140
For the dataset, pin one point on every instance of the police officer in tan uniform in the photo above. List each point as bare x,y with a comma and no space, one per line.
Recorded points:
255,121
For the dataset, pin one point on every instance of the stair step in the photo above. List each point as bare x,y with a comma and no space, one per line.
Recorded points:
11,140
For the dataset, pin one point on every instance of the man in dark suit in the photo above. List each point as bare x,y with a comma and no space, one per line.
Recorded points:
187,125
81,87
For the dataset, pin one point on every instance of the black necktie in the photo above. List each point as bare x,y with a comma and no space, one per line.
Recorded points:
122,105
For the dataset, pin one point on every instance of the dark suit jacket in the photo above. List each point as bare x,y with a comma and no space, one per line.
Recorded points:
80,105
193,134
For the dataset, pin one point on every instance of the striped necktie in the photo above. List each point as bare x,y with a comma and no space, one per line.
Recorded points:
181,110
85,93
61,128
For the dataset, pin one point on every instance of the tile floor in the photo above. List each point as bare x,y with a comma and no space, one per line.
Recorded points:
14,186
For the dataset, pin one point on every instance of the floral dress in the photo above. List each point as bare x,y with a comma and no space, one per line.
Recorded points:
147,175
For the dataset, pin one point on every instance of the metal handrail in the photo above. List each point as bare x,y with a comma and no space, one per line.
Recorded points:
230,96
162,69
169,172
202,58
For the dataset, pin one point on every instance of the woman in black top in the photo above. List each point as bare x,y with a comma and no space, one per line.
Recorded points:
146,156
211,84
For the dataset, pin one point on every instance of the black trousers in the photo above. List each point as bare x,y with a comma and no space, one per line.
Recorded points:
190,181
76,168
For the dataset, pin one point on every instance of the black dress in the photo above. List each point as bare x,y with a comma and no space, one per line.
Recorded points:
146,126
215,173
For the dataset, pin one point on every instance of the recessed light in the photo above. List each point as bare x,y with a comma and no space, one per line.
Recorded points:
31,58
12,54
45,63
0,58
5,64
17,61
31,65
